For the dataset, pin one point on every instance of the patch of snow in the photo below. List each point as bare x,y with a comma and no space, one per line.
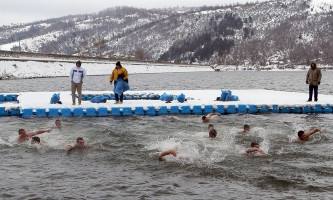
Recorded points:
195,97
318,6
31,69
33,44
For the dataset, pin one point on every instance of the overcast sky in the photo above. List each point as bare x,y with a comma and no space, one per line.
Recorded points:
23,11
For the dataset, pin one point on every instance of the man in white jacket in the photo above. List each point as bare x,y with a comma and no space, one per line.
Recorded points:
77,76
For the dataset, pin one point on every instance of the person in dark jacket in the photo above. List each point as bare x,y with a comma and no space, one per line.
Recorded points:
313,78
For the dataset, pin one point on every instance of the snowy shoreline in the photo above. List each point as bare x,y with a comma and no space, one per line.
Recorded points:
25,67
36,69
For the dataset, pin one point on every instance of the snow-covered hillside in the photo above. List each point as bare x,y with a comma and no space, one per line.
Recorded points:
284,32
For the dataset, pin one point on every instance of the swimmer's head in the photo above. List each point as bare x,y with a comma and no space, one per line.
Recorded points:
35,140
21,131
210,126
212,133
203,117
58,123
80,141
300,134
254,144
246,127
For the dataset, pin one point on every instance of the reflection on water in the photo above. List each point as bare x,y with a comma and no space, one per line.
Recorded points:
124,164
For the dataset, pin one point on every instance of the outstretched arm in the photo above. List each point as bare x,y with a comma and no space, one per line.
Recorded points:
38,132
160,157
307,134
211,114
253,149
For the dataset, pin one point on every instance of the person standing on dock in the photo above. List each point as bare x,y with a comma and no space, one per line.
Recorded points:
119,76
313,78
77,76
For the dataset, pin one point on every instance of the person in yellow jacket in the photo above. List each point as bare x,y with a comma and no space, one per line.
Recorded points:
119,72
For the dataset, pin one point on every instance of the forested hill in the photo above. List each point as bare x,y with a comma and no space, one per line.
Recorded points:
283,31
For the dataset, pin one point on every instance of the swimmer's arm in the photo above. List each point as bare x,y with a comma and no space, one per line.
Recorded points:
253,149
160,157
261,151
38,132
307,134
211,114
69,147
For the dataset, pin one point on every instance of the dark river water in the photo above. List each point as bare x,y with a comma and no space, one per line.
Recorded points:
123,163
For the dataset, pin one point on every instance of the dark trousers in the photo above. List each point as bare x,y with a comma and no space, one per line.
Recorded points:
121,97
122,94
315,88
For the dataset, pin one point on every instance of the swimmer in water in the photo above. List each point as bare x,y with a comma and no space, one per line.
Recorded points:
79,145
254,148
212,133
36,140
206,118
246,129
24,136
58,123
302,136
161,155
210,126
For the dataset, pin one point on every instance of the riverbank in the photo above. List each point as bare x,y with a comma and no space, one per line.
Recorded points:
54,68
27,66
